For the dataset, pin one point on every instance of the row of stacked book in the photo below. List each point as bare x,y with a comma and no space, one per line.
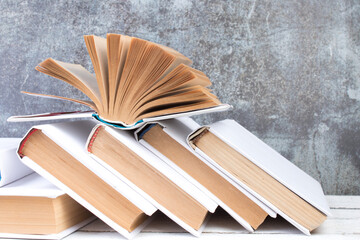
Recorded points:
138,152
60,176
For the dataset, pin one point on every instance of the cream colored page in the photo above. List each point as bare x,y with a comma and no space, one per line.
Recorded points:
101,50
83,75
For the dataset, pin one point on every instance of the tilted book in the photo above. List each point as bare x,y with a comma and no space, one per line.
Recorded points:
170,192
261,170
135,81
167,139
33,208
57,152
11,168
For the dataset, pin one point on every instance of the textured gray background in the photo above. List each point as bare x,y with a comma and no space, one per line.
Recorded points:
291,69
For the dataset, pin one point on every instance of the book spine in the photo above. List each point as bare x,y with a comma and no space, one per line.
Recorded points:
22,143
93,135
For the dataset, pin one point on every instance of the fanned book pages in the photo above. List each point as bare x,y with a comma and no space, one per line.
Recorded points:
261,170
33,208
11,168
135,81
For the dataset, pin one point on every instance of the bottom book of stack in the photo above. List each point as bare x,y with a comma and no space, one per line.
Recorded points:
32,207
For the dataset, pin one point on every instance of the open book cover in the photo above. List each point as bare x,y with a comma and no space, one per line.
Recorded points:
267,159
11,168
178,129
82,178
146,159
33,185
135,81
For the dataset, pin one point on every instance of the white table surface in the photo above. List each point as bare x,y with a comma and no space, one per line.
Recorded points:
344,224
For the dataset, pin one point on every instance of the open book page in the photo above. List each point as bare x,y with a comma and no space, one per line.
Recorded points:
75,75
97,49
134,80
83,75
117,49
83,102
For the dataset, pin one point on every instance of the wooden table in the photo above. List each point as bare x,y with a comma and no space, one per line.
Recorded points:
344,224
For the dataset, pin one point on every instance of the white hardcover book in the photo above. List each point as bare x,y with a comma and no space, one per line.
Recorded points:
120,125
34,185
128,139
72,137
11,168
179,129
266,158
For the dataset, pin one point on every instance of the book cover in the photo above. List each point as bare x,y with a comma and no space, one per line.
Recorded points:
11,168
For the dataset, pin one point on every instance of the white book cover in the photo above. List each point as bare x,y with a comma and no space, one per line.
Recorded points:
265,157
72,137
179,129
33,185
119,125
128,139
11,168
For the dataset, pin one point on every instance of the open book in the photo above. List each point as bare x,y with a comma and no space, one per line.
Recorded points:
135,81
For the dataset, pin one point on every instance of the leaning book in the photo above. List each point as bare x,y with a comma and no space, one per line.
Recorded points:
261,170
170,192
167,140
57,152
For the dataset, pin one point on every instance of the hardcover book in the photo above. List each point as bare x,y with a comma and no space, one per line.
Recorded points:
135,81
57,152
171,193
33,208
261,170
167,139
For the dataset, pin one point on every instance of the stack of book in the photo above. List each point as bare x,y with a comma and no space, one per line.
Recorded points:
141,153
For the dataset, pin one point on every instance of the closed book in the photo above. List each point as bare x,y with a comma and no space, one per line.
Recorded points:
170,192
167,139
261,170
57,152
32,207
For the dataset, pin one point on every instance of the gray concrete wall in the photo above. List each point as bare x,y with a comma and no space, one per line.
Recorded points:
291,69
